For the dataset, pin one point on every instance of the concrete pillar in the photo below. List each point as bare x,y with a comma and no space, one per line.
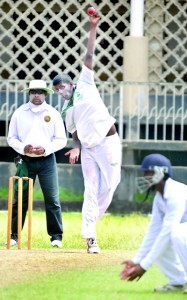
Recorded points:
136,18
135,70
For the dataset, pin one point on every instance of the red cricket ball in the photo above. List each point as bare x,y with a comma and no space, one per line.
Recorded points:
91,11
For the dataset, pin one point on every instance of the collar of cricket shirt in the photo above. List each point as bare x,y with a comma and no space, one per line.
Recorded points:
37,108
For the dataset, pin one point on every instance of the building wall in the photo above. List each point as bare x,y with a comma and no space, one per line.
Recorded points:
70,178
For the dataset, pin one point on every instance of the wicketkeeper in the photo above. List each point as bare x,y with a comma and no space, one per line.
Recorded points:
165,242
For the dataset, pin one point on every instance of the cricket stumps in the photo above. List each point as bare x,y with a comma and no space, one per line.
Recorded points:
30,206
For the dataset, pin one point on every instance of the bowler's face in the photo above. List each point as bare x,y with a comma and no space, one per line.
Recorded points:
65,90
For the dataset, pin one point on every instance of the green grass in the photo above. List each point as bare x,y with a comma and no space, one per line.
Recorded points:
114,232
97,282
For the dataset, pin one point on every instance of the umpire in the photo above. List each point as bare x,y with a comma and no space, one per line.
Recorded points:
36,131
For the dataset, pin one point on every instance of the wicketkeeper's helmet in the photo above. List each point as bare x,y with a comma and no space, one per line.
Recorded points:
160,165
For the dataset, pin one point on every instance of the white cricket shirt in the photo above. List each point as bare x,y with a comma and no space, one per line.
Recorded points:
36,125
88,115
169,210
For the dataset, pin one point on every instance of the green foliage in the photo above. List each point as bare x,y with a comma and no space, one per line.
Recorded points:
64,194
3,193
67,195
140,197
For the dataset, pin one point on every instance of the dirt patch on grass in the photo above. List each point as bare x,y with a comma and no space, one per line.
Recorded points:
22,265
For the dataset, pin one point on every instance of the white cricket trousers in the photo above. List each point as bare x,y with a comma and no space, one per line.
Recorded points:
173,262
101,167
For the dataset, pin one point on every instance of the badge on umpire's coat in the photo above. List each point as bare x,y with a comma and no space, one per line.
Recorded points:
47,118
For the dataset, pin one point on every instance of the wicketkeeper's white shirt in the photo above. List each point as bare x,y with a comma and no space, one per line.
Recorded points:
168,212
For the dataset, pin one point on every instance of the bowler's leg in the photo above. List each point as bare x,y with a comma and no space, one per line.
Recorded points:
109,161
90,210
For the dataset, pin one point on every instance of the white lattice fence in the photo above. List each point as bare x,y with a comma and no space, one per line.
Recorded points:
166,28
41,38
